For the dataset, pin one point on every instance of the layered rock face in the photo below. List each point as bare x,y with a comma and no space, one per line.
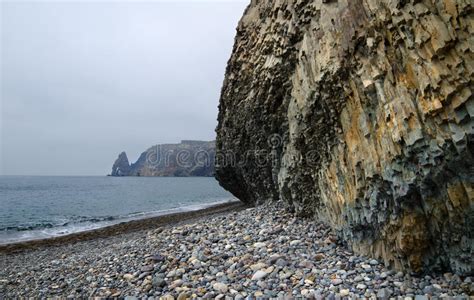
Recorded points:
189,158
360,113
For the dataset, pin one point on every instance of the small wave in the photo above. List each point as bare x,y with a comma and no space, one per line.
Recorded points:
66,222
28,227
93,219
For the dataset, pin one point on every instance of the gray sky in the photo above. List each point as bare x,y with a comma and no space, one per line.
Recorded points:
83,81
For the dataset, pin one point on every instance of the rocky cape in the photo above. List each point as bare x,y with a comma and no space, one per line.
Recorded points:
189,158
359,113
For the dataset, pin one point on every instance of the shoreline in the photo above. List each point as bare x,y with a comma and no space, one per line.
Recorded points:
147,223
230,250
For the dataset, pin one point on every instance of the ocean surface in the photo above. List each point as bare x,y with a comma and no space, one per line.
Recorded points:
41,207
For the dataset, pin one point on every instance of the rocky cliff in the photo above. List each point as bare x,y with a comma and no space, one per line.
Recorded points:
359,113
121,165
189,158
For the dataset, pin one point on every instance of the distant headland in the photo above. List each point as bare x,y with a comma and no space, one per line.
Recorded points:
188,158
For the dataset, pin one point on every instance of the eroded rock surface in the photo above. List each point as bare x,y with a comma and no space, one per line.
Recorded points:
360,113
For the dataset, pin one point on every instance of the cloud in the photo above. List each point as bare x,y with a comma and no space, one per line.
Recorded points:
82,81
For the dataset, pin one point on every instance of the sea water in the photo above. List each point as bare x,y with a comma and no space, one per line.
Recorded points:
41,207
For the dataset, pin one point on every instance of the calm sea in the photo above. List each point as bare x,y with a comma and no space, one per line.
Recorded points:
41,207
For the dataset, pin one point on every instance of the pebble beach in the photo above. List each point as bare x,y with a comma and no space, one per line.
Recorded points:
248,253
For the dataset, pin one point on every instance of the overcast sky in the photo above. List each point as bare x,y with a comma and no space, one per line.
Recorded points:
83,81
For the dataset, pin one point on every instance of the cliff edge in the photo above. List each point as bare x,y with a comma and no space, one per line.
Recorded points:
359,113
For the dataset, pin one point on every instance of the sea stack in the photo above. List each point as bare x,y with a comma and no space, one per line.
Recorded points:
121,166
363,112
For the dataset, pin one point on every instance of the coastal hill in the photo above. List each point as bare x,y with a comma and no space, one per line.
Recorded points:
188,158
365,110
